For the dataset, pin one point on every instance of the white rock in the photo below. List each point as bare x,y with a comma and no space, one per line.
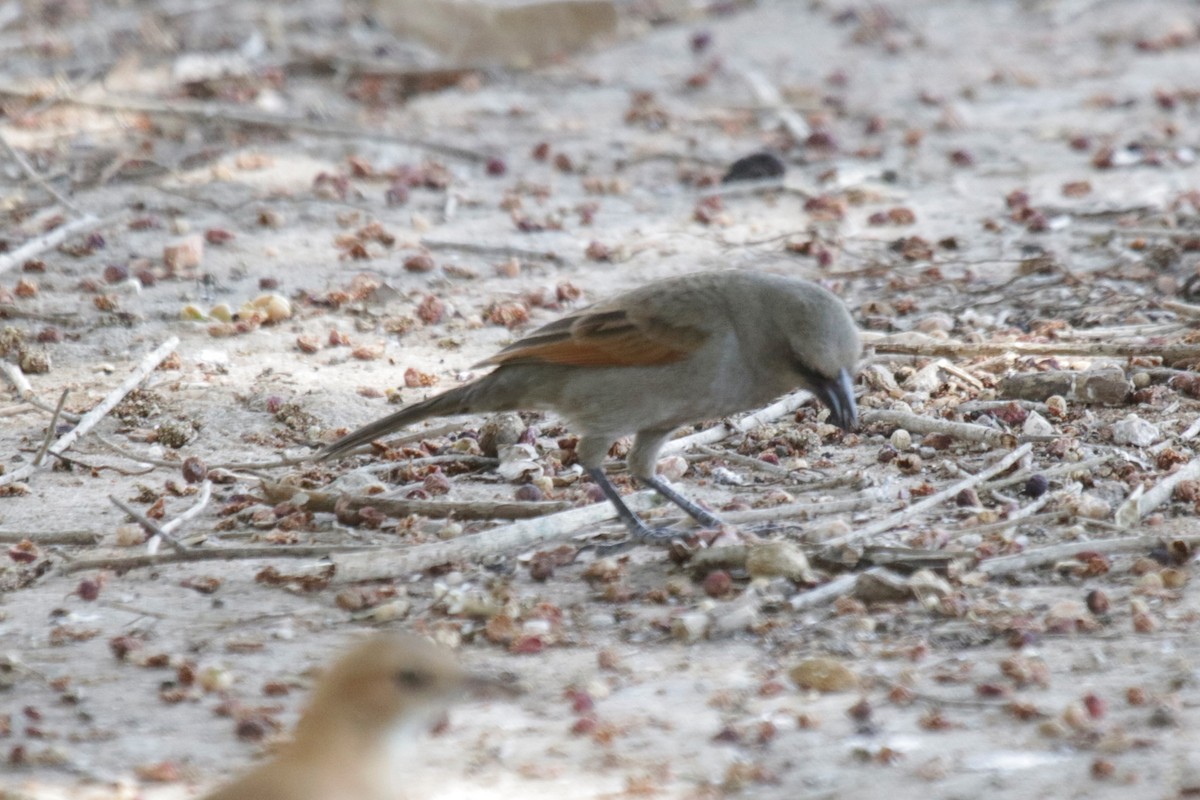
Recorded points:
927,379
1037,425
691,627
672,467
1135,431
518,462
727,477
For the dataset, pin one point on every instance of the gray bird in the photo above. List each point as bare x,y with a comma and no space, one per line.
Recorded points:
645,362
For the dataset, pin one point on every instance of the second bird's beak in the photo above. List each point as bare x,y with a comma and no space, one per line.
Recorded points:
838,396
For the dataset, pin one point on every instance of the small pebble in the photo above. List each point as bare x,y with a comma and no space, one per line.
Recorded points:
1036,486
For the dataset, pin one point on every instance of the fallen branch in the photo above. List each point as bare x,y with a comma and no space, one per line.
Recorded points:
166,531
50,429
152,462
149,526
868,498
481,462
396,507
749,462
25,390
17,378
123,563
1086,465
37,177
1006,565
40,244
769,96
959,373
66,320
982,406
916,344
908,560
193,511
1183,309
20,408
839,586
1162,491
1025,514
51,537
725,429
914,423
918,508
355,567
93,417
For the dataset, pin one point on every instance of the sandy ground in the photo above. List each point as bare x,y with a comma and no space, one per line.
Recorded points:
1012,687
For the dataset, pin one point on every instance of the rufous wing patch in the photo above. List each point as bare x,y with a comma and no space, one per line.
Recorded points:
602,338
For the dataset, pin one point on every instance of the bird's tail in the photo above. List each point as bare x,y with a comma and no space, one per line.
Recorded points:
445,404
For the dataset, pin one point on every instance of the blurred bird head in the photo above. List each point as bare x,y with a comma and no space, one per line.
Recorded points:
387,680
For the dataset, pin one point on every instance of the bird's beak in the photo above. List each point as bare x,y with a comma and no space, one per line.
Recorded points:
838,396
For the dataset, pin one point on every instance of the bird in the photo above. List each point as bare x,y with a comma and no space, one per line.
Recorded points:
671,352
390,682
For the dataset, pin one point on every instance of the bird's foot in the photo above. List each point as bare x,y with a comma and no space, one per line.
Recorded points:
693,509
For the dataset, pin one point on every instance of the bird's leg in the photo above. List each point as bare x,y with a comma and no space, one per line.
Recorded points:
638,529
701,515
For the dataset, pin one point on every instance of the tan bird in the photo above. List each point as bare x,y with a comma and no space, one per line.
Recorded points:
648,361
341,746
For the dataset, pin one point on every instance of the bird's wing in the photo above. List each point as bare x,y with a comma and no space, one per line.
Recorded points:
606,336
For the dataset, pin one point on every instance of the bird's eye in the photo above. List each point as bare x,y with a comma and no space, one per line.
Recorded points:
412,679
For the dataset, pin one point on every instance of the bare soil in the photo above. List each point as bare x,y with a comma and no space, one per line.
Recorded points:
1009,173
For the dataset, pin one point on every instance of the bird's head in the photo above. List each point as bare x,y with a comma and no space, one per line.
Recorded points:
389,680
824,349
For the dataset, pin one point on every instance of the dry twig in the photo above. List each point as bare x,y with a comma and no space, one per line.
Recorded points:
397,507
749,462
1073,467
827,593
917,344
168,529
93,417
918,508
37,178
122,563
865,499
914,423
1007,565
25,390
1162,491
355,567
727,428
150,526
50,429
768,95
51,537
40,244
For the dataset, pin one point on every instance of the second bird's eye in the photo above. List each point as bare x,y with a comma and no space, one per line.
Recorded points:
412,679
